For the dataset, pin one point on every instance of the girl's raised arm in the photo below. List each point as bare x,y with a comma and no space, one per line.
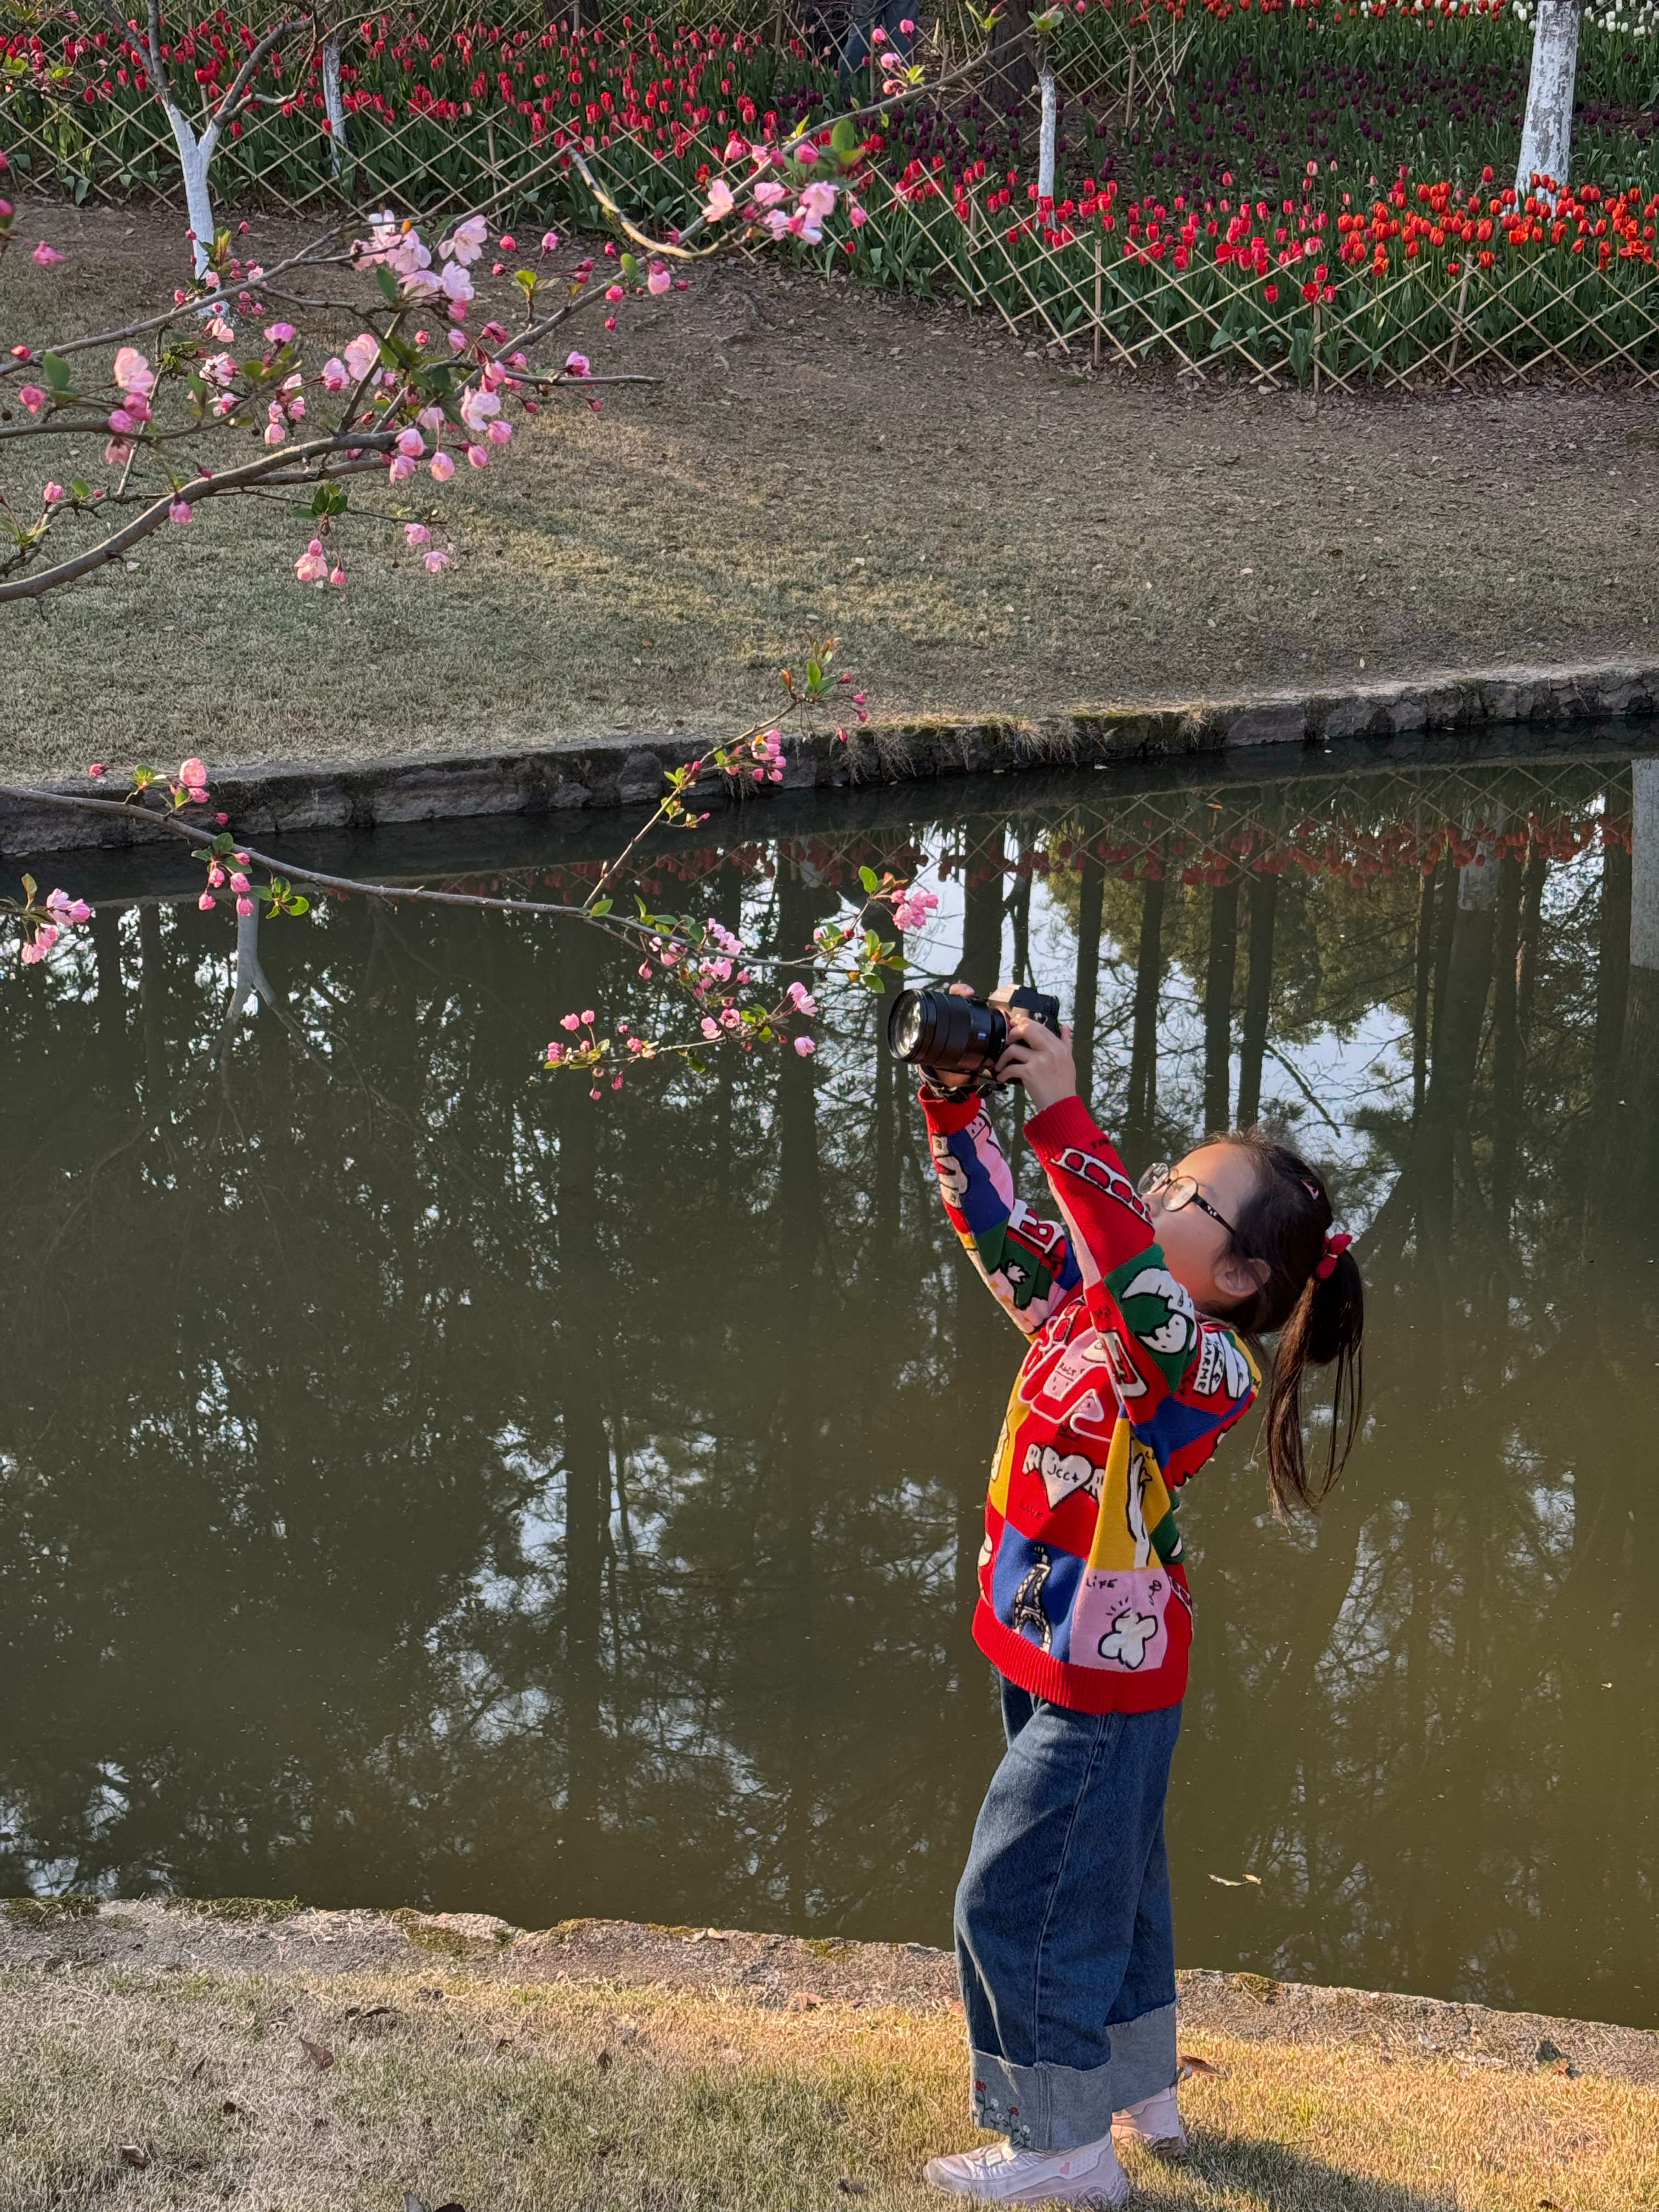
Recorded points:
1026,1260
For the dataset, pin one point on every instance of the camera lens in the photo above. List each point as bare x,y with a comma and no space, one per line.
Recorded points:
906,1026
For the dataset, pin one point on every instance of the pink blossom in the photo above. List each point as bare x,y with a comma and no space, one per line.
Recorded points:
207,902
361,353
550,241
121,422
116,450
720,202
457,340
45,255
402,468
245,906
731,1018
477,406
32,396
417,534
99,768
42,942
443,467
192,770
570,1021
576,364
478,456
180,511
457,285
280,333
589,1017
805,1047
858,215
770,193
237,882
806,153
335,374
613,292
337,576
711,1028
507,243
468,241
645,969
52,493
311,567
499,433
802,999
411,442
659,279
437,560
133,372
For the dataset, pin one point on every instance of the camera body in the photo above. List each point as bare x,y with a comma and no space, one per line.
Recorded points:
958,1039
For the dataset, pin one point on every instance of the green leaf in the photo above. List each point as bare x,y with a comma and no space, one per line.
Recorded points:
296,903
81,488
388,284
600,906
29,889
872,883
57,371
844,138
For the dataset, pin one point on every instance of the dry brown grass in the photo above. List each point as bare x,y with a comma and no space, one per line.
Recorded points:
987,532
529,2099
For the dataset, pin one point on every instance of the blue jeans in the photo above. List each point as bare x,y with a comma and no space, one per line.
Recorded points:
1065,1943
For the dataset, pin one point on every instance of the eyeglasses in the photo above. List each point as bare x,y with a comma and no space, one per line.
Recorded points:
1177,1191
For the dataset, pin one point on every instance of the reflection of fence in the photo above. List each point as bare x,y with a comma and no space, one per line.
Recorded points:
1354,831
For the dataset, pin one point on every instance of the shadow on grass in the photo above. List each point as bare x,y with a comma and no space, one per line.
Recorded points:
1223,2169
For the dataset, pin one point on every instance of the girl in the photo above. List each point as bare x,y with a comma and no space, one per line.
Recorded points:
1141,1307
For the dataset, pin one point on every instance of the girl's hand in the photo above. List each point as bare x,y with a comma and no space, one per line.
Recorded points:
1039,1059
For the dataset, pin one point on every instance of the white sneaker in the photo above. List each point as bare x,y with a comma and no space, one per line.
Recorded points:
1002,2175
1155,2124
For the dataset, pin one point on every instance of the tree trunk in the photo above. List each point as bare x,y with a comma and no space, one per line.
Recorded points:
1219,1004
1086,995
195,160
1258,1003
1138,1132
1050,97
1546,134
1011,57
334,103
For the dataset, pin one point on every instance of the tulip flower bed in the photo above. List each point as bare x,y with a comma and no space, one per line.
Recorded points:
1238,220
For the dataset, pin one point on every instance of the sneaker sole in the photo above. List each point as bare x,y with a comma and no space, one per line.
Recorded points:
1100,2199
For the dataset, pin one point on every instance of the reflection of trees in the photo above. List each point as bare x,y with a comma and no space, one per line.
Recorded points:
417,1481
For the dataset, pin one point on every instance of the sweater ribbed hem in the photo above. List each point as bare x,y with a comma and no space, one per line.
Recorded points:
1085,1689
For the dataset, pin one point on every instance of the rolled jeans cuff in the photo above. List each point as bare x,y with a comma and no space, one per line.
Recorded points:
1059,2108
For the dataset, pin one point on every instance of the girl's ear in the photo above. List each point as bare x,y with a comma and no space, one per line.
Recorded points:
1240,1278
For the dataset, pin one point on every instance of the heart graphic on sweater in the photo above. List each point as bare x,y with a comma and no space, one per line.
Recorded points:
1062,1473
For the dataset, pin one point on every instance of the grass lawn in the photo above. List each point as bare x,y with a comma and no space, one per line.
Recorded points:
984,529
294,2093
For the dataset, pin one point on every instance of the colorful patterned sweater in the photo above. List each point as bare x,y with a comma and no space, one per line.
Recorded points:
1124,1391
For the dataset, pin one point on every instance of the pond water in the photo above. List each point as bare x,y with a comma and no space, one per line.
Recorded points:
419,1484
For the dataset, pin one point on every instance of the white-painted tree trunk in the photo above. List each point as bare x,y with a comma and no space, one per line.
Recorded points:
1546,134
195,159
1048,93
334,104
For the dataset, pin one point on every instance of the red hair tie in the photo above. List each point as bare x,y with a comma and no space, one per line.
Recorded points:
1337,1242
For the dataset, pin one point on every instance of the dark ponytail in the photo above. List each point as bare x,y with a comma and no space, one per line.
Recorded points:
1318,1318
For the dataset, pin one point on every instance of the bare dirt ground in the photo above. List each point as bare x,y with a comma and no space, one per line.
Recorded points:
180,2057
986,530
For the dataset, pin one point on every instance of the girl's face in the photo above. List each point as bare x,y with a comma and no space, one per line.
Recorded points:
1197,1249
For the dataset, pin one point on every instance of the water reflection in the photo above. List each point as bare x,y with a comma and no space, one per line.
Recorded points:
417,1484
